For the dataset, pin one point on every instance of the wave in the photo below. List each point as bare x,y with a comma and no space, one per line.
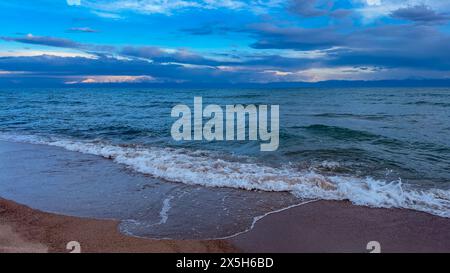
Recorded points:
207,169
353,116
339,132
431,103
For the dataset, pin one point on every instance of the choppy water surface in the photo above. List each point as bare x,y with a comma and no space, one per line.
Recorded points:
385,147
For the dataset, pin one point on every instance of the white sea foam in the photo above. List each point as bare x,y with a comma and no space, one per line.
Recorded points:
199,168
165,210
258,218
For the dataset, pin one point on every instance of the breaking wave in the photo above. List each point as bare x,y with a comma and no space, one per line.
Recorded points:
209,169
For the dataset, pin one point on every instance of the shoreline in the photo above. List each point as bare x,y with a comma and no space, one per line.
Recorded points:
315,226
341,227
23,229
322,226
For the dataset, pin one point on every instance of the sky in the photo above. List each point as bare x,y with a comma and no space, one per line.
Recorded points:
86,42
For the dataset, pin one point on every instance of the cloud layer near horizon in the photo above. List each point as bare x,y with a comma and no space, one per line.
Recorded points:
232,41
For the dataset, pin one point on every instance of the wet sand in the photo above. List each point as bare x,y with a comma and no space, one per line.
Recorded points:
321,226
337,226
56,180
23,229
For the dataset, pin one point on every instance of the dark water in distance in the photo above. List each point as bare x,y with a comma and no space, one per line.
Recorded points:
381,147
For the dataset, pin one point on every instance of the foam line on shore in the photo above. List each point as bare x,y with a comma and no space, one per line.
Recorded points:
206,169
258,218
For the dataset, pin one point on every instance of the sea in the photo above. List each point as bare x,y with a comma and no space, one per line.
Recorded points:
374,147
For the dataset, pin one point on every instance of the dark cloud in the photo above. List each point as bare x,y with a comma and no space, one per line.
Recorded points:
58,42
420,13
152,53
274,37
341,13
64,69
372,49
44,40
393,46
316,8
396,46
159,55
278,62
310,8
147,52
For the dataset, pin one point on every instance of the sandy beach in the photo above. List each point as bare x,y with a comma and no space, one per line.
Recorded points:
239,126
31,174
332,226
316,227
26,230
